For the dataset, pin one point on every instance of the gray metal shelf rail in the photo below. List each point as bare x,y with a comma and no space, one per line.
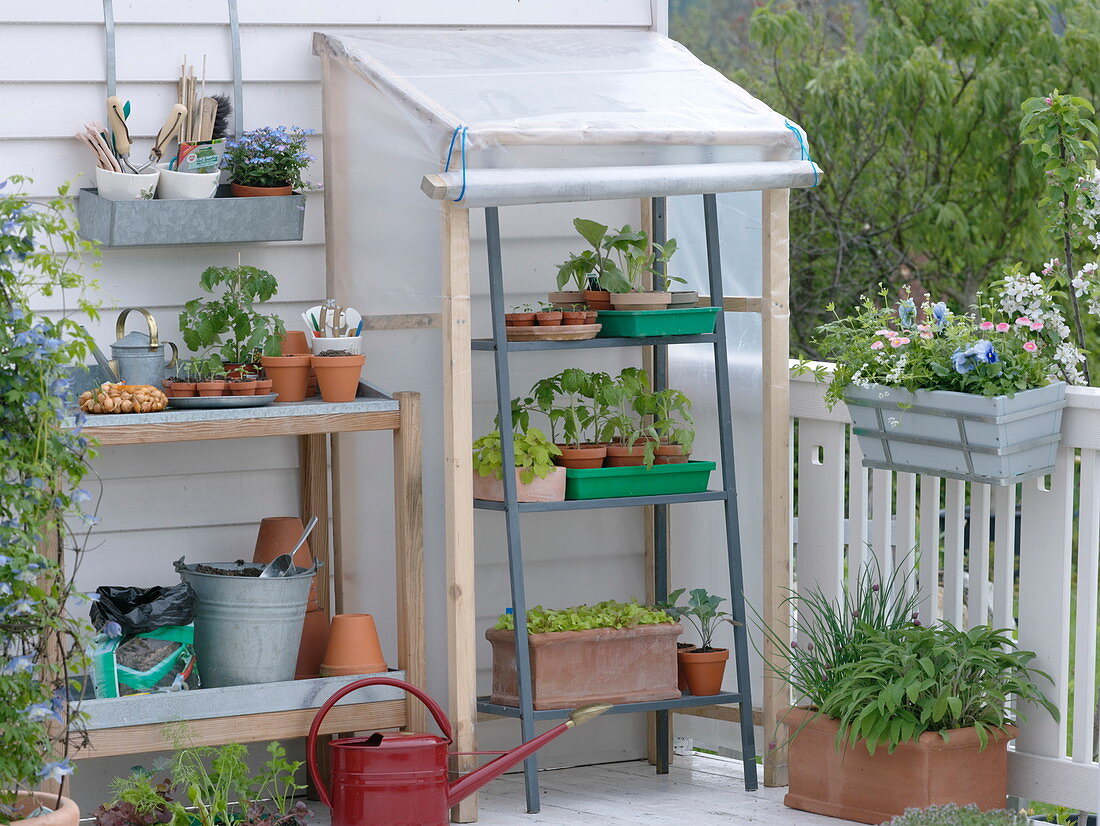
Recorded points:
501,347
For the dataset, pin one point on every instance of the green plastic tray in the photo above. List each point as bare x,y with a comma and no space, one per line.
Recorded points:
688,321
612,482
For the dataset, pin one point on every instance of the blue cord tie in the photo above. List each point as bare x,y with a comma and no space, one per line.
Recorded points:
450,149
802,146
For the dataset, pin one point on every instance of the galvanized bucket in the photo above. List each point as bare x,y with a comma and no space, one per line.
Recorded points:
996,440
247,629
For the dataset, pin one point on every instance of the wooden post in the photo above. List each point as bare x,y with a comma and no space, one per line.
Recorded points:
775,317
458,492
408,511
313,494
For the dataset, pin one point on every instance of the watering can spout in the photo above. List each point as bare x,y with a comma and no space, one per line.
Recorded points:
473,781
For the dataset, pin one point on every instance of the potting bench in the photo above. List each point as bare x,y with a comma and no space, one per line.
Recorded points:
134,724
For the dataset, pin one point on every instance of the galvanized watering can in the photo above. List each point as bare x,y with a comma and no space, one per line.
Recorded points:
400,778
138,358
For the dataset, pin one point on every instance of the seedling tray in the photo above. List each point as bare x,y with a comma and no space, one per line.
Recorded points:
218,220
686,321
659,480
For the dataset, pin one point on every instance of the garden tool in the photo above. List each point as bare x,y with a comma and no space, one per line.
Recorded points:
139,357
400,778
284,563
168,131
116,120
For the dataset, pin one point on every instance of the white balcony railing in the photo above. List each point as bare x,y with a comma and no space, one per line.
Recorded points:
1022,556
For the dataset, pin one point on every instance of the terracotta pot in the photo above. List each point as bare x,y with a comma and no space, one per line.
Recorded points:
572,318
169,388
583,457
263,387
294,343
566,299
353,647
311,648
549,319
549,489
289,376
597,299
648,300
338,376
602,665
853,785
519,319
242,191
26,802
212,388
243,388
623,456
184,389
590,316
681,678
277,535
703,670
232,369
670,455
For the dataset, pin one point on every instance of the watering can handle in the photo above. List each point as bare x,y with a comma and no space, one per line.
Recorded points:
120,326
311,744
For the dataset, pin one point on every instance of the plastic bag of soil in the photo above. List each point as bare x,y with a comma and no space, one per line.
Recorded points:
137,610
153,661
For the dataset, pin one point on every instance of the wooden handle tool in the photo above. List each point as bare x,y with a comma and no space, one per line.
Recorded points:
116,120
168,131
208,108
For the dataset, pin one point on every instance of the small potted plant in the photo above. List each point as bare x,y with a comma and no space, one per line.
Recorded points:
704,665
632,442
267,161
212,377
338,374
611,652
181,385
568,400
538,479
951,814
522,315
548,316
674,425
573,314
244,384
637,259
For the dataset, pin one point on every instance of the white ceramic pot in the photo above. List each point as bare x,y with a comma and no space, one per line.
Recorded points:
126,186
188,186
352,345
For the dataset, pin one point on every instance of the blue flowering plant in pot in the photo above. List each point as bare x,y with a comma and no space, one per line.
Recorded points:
267,161
967,395
45,512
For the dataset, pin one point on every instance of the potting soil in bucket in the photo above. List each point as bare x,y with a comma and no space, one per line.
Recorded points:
247,629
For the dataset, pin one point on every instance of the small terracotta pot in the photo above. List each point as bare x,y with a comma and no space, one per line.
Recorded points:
549,319
581,458
311,648
549,489
169,388
703,670
277,535
590,316
68,814
641,301
232,369
670,455
597,299
184,389
242,191
243,388
568,298
353,647
294,343
263,387
619,455
289,376
519,319
681,677
212,388
338,376
571,318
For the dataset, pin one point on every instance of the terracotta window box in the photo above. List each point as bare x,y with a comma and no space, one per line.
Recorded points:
852,785
602,665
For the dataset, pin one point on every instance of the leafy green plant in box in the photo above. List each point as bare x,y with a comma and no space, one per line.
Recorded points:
534,455
607,614
951,814
230,321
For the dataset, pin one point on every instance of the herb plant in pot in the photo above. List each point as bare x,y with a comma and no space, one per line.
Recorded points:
569,401
522,315
267,161
633,443
674,425
637,260
704,665
538,479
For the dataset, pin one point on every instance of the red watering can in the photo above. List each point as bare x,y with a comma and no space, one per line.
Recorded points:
400,778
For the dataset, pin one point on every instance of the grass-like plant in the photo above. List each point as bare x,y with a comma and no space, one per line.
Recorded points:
952,815
607,614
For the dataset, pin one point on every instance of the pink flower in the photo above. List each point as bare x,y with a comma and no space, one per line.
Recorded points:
926,334
1031,346
1023,321
1004,327
986,325
1047,101
887,333
1038,325
903,340
897,342
924,328
877,345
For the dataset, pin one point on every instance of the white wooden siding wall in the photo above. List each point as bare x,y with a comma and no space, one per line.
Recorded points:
161,502
1053,760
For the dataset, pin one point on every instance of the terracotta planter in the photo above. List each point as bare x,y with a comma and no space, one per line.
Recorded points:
649,300
295,343
242,191
703,670
550,489
583,457
26,802
670,455
571,318
263,387
602,665
853,785
623,456
681,678
289,376
243,388
338,376
519,319
311,648
590,316
212,388
353,647
565,299
277,535
549,319
183,389
597,299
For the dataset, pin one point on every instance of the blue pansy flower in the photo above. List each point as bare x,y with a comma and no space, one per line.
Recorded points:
939,313
57,770
907,312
